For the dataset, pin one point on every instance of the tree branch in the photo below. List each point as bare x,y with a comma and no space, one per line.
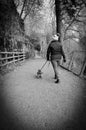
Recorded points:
84,2
73,29
74,18
22,8
71,38
28,11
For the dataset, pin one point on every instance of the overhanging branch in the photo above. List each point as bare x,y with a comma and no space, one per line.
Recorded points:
22,8
74,18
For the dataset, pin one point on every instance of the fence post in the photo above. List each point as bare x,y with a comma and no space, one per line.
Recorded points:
83,69
71,61
14,58
6,61
23,56
18,56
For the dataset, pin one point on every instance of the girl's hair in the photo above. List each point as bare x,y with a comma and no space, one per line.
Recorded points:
58,34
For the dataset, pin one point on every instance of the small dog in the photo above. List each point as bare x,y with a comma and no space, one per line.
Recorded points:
39,73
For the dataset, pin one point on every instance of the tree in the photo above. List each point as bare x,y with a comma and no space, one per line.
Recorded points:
28,7
58,16
10,23
69,8
69,14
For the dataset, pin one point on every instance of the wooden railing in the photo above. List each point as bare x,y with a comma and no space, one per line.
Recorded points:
76,63
11,57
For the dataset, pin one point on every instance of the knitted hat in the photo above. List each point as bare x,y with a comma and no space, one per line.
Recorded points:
55,37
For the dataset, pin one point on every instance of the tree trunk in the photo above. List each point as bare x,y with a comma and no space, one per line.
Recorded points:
58,12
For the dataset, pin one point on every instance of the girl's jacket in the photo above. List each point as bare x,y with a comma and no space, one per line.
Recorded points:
55,51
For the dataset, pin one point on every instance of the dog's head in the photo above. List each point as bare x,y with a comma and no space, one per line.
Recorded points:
39,72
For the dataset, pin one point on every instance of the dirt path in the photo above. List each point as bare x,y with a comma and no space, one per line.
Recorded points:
40,104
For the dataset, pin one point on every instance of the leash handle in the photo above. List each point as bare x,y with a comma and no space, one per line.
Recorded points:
43,65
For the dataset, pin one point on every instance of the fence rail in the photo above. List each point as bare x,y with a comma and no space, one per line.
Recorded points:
76,63
11,57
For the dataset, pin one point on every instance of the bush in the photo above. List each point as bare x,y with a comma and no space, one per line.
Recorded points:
37,47
27,55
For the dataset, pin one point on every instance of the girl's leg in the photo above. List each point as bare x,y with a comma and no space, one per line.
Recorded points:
55,67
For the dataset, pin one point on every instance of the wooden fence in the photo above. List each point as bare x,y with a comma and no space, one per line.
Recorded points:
76,63
11,57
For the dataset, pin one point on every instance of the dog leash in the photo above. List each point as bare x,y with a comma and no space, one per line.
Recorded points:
43,65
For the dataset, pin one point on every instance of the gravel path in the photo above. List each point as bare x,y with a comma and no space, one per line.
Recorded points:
28,103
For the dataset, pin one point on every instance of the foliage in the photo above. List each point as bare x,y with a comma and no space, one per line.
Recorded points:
11,26
69,13
28,7
73,17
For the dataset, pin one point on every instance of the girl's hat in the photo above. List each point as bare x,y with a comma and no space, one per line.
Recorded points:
55,37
